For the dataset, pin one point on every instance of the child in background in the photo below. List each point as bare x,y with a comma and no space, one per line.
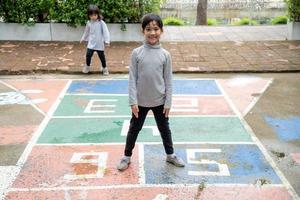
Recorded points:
97,35
150,88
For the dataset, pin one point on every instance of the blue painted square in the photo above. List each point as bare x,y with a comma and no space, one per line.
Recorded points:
246,164
196,87
287,129
101,86
187,87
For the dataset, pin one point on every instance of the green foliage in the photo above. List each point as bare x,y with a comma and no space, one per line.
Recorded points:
293,10
279,20
25,11
246,21
211,22
173,21
74,12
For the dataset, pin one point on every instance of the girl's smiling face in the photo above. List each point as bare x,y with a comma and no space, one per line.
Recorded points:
152,33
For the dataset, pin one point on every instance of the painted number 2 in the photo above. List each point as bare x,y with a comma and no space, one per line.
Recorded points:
191,159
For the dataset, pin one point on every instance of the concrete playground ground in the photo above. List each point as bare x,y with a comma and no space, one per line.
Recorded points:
61,135
238,134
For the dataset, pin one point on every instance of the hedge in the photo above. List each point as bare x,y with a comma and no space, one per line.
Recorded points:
73,12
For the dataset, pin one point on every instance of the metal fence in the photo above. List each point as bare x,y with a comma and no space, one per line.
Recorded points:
225,10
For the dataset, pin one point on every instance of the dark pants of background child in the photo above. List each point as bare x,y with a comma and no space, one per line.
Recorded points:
136,125
89,54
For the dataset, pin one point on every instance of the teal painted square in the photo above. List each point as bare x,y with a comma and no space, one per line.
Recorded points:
75,105
108,130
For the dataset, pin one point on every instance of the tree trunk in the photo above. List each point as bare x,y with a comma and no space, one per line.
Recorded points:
201,12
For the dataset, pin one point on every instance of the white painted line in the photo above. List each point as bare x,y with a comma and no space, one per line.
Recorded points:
191,159
174,95
144,143
130,186
175,110
260,145
6,179
256,99
30,103
161,197
129,116
192,102
88,117
121,79
100,161
93,94
126,125
34,138
142,177
92,105
104,79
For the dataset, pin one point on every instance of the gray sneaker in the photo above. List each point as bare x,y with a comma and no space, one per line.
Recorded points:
174,160
105,71
124,164
86,69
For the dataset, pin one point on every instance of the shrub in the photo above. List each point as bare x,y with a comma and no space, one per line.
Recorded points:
279,20
25,11
293,10
211,22
73,12
173,21
246,21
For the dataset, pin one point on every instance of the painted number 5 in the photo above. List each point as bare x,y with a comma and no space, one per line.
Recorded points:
191,159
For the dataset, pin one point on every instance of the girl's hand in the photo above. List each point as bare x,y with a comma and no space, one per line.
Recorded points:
135,110
166,112
81,41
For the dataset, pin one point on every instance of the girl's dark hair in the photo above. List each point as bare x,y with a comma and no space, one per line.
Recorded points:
93,9
150,18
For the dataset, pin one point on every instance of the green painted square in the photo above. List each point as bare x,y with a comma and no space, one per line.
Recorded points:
75,105
108,130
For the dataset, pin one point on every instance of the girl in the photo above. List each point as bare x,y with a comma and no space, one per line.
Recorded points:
97,34
150,88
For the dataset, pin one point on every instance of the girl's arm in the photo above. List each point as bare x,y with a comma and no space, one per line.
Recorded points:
105,33
168,81
133,79
85,36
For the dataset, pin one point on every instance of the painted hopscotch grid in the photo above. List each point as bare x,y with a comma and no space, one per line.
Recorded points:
89,88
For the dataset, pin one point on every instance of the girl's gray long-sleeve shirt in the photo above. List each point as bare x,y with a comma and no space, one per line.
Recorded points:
150,77
96,33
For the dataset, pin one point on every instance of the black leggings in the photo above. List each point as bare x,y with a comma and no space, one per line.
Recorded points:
89,54
136,124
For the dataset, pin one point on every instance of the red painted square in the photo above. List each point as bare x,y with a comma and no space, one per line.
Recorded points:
200,105
296,157
244,90
49,90
48,166
16,134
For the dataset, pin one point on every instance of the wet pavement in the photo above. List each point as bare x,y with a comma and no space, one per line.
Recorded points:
62,135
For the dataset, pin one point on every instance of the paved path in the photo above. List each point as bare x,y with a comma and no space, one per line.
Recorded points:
225,33
193,49
197,56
